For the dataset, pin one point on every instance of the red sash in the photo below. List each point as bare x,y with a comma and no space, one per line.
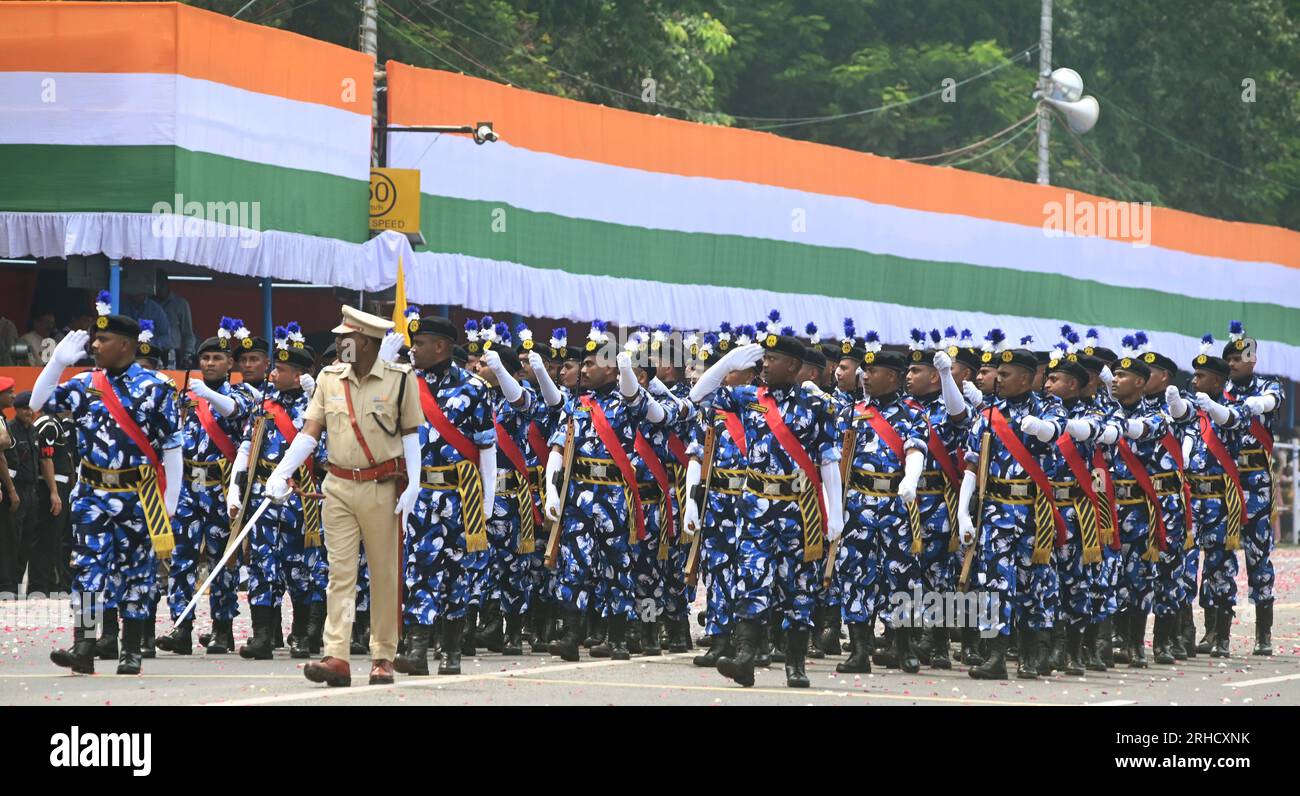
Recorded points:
1257,429
282,421
1139,472
678,449
735,429
612,444
507,445
537,442
1099,463
210,426
1226,461
1020,453
433,413
128,425
937,450
1175,452
883,429
656,467
776,423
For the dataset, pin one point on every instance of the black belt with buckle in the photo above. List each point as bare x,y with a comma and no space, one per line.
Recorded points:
1067,491
649,492
770,488
1129,491
1254,459
931,482
729,481
1011,490
206,471
596,471
864,481
98,478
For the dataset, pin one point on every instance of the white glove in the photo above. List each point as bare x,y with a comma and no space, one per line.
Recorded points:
221,404
657,387
973,395
735,359
277,488
411,456
173,465
1217,412
942,362
234,499
1040,429
811,386
1177,406
691,513
1133,428
71,348
628,386
554,463
550,393
1106,376
308,385
487,471
966,529
510,388
969,483
953,400
833,493
1078,428
1109,435
277,483
390,346
1260,404
912,467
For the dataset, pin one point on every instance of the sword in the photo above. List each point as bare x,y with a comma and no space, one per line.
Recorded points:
846,470
230,550
552,556
692,570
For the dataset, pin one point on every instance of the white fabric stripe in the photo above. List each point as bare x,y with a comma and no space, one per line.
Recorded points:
495,286
174,110
453,166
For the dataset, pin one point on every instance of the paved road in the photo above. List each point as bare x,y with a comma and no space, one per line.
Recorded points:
27,677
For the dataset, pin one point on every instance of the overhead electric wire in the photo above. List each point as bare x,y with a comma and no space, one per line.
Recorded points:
975,145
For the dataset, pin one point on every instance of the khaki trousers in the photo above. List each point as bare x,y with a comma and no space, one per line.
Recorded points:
356,512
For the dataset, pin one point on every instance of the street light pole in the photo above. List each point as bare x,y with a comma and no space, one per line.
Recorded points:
1044,74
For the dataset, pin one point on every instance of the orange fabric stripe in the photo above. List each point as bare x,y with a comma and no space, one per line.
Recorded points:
167,38
585,131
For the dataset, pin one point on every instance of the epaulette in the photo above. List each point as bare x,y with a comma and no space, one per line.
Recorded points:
339,367
478,382
398,366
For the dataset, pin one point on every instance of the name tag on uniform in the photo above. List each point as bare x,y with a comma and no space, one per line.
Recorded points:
583,408
757,408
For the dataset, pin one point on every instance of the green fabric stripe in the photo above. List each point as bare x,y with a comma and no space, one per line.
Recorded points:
544,240
130,179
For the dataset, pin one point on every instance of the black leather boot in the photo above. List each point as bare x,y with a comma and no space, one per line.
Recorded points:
940,657
128,662
1206,644
814,648
829,640
995,666
1222,634
1121,627
222,639
617,629
887,657
903,652
315,627
719,647
923,644
149,644
595,629
774,643
1055,659
1106,642
1160,651
259,647
415,661
796,647
650,639
539,617
1074,665
1027,666
860,646
679,635
602,648
1013,644
360,643
741,667
1187,630
277,626
179,641
634,638
763,654
80,657
970,646
1137,639
468,643
452,643
1091,660
1263,628
1176,647
492,637
566,646
106,646
513,643
298,633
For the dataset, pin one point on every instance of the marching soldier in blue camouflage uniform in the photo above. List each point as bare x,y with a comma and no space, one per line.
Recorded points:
792,503
129,439
600,516
446,538
879,557
944,420
1262,398
279,541
1019,521
1219,501
212,430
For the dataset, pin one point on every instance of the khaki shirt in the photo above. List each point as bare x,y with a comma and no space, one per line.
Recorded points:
375,399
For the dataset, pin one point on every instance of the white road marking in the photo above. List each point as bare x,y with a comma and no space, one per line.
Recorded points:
1261,681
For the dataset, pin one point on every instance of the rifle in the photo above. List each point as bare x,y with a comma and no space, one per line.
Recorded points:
706,477
254,455
553,543
846,469
986,442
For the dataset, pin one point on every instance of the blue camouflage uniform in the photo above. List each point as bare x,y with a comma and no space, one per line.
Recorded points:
772,575
1104,603
939,566
1257,480
1026,591
201,518
440,574
1081,581
842,401
508,576
1172,588
679,595
543,579
720,519
112,553
1210,507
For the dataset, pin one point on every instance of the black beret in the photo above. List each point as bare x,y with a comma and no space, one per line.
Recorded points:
967,356
432,325
1020,357
302,356
1071,365
849,349
249,344
1093,364
23,399
1133,365
812,355
118,324
218,344
1043,357
895,360
784,344
1154,360
1101,352
508,358
460,355
1216,365
1236,346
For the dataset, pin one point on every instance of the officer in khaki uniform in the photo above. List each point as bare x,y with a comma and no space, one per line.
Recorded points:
371,410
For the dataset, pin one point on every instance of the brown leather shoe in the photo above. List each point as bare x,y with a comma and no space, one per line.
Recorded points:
334,672
381,672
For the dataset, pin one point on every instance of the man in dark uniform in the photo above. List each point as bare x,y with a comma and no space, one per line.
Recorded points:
29,463
56,435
